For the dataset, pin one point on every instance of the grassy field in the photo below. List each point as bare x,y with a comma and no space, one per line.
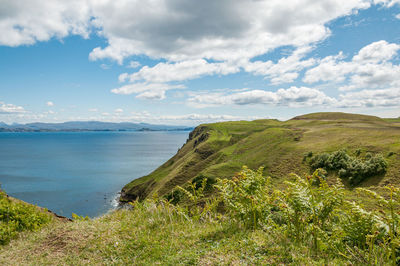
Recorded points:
220,150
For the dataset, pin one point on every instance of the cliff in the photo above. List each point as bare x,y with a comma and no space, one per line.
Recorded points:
219,150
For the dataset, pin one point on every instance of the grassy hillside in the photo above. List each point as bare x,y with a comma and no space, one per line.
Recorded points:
220,150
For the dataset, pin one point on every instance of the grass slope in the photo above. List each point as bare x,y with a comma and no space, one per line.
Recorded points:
220,149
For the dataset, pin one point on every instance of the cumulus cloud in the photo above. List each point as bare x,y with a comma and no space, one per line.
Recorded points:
293,97
11,109
371,98
371,67
153,91
220,30
28,21
49,103
180,71
376,52
200,38
301,97
285,70
398,16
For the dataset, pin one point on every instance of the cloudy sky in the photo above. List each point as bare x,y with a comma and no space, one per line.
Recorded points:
188,61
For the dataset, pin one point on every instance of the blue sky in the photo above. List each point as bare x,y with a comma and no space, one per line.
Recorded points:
189,62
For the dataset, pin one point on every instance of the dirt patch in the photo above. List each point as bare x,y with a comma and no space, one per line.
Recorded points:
59,241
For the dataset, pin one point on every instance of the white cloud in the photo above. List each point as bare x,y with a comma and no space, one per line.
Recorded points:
49,103
199,38
371,98
93,110
301,97
28,21
11,109
398,16
293,97
388,3
118,111
146,90
180,71
376,52
134,64
220,30
370,68
285,70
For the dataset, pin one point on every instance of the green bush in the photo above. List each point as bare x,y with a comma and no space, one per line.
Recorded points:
16,217
354,169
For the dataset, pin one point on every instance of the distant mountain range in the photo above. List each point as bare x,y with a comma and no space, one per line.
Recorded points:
88,126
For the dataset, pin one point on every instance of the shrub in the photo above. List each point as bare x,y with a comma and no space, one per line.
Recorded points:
354,169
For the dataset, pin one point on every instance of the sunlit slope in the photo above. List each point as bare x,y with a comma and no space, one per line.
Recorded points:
221,149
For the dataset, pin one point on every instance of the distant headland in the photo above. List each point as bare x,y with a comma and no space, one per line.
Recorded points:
77,126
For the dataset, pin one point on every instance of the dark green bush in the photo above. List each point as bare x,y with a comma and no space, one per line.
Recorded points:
352,168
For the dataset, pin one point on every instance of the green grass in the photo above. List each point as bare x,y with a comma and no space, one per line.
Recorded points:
151,235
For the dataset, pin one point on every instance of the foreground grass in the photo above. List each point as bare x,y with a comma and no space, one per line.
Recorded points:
153,234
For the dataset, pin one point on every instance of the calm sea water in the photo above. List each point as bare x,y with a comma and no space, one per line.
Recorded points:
80,172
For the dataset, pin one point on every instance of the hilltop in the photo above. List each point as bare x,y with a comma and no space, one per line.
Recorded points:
219,150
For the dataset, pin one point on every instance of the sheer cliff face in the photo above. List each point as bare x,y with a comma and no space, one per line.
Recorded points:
221,149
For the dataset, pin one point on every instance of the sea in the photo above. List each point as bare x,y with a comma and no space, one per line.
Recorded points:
80,172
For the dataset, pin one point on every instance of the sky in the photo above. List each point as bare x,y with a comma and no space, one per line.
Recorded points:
186,62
